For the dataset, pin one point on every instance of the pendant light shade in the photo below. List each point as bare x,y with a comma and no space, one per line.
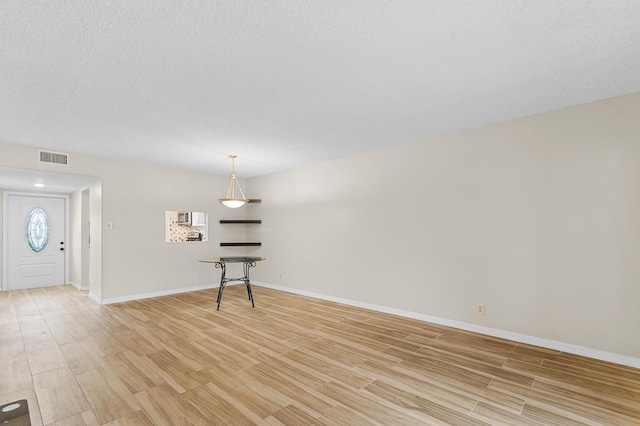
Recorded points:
231,200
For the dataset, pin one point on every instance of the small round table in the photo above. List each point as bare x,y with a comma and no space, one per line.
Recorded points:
221,263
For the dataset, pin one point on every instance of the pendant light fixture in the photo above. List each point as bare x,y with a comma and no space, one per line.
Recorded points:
230,200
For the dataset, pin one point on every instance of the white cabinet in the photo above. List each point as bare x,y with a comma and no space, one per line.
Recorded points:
198,219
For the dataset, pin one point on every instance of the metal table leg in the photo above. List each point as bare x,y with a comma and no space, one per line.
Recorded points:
224,280
247,282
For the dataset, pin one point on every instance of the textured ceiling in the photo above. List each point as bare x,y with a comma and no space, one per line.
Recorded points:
285,83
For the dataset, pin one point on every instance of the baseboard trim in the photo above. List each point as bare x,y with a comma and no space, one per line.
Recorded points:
94,298
78,286
153,294
516,337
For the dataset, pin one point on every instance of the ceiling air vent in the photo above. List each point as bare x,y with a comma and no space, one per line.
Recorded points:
53,157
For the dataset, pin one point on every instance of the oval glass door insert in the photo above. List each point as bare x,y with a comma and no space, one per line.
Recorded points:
38,230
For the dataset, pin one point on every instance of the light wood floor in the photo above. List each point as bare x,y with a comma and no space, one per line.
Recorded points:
290,361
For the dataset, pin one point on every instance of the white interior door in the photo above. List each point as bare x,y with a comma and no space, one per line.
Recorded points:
36,246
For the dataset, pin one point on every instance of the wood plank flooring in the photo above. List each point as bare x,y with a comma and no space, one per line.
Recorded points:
290,361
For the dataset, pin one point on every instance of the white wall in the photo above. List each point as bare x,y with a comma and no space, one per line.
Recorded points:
78,247
132,259
95,232
538,219
74,247
85,243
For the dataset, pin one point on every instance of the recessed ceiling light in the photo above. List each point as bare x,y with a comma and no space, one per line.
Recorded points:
39,185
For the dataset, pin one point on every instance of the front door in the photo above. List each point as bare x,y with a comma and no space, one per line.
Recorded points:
36,246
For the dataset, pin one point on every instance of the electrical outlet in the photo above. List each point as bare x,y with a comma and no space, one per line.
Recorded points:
480,309
280,276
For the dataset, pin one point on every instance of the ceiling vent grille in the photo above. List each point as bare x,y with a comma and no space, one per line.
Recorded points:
53,157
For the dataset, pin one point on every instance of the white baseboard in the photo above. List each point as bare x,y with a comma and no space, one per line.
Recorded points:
94,298
78,286
516,337
153,294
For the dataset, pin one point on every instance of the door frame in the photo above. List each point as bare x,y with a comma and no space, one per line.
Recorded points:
5,242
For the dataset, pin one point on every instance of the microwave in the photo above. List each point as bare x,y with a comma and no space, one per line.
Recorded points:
184,218
192,218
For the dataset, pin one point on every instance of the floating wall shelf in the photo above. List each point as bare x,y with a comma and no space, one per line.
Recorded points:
244,222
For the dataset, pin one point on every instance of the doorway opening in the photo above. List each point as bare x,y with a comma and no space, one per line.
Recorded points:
40,237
